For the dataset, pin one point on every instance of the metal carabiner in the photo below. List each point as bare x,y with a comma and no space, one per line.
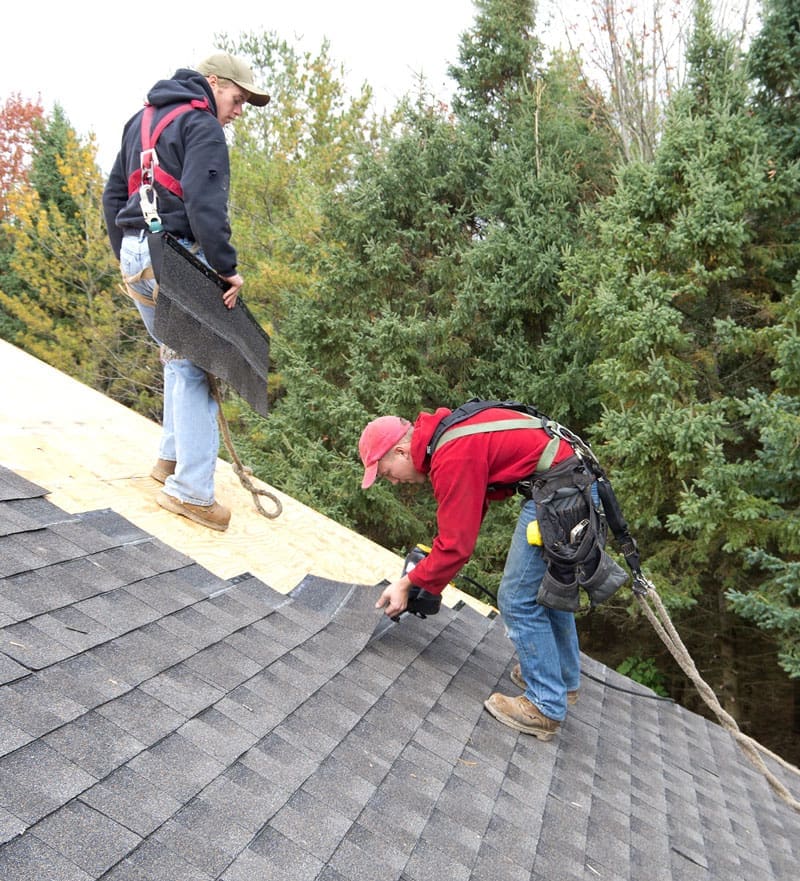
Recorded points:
147,198
641,585
582,449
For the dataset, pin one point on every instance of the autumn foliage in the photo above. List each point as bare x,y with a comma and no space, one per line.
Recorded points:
18,120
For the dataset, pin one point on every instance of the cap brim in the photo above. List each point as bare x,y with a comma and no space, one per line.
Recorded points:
258,100
370,475
254,96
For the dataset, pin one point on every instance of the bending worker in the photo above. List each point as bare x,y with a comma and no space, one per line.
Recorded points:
466,472
182,123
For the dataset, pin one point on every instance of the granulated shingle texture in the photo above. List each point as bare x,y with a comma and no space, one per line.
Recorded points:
192,319
160,724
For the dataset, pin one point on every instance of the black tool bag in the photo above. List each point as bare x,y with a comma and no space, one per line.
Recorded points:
573,539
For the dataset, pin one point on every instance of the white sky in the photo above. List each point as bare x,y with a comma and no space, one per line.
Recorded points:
98,59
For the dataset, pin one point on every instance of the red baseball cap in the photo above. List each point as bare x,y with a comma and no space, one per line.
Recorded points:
376,440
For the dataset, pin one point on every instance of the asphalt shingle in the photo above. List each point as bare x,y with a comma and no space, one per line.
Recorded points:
157,722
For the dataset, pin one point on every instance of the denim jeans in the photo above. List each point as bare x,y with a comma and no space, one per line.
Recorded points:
189,435
546,640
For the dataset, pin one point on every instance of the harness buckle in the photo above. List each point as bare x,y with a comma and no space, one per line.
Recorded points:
581,448
525,488
148,160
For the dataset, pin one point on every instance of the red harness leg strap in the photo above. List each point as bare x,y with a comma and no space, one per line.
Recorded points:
149,171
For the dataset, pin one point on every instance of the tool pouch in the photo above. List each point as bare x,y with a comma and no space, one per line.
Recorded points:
602,579
556,594
573,539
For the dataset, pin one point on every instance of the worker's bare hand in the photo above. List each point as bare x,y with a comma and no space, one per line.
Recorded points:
395,597
230,296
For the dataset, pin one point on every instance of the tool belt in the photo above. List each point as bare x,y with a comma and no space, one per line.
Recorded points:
574,536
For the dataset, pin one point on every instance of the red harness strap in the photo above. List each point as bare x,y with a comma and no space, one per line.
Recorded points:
150,171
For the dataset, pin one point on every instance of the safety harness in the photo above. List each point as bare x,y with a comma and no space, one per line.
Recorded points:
449,430
147,175
573,533
150,171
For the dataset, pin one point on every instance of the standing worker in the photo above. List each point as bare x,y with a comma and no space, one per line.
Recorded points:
487,455
182,124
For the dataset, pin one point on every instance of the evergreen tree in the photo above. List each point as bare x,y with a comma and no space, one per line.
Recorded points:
375,334
437,273
680,313
769,497
554,158
284,159
51,144
497,62
773,414
774,63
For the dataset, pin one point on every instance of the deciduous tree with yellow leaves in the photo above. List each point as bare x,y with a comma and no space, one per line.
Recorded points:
66,295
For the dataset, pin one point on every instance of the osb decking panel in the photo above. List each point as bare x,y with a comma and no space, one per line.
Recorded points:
92,453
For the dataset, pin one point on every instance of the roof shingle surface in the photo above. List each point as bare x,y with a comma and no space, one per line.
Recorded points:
158,723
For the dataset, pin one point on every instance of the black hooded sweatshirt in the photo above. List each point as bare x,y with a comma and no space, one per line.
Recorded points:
192,148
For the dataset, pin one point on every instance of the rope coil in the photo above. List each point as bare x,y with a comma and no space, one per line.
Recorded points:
239,469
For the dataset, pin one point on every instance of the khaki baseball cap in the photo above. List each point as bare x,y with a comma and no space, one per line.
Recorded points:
238,71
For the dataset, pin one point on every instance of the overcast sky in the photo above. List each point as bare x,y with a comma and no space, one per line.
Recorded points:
98,59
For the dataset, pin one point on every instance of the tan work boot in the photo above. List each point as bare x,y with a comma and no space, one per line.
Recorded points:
162,470
521,714
214,516
516,678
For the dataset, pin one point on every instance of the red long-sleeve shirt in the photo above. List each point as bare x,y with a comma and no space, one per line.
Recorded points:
460,473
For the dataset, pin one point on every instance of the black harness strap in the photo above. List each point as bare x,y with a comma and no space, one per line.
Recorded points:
477,405
450,428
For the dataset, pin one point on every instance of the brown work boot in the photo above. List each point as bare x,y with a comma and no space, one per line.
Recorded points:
521,714
214,516
162,470
516,678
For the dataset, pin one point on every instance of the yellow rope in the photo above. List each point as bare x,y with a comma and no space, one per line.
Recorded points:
669,635
238,469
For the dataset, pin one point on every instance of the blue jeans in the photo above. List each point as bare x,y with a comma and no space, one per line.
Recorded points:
546,640
190,435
